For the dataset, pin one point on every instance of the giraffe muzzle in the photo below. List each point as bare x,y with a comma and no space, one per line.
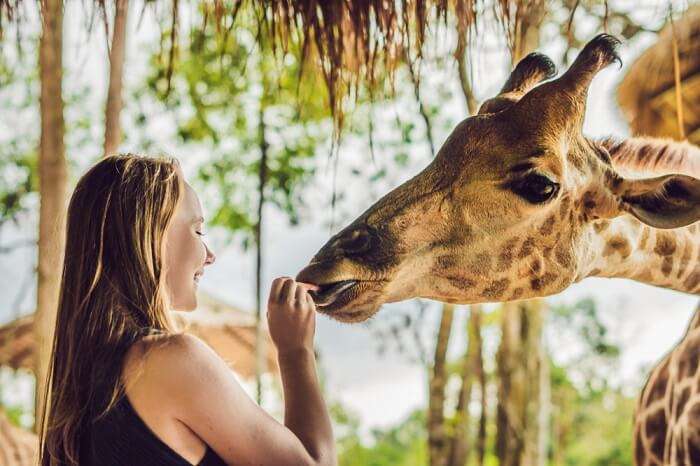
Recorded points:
329,293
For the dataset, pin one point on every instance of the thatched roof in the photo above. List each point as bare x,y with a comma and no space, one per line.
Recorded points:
353,43
647,94
17,446
229,331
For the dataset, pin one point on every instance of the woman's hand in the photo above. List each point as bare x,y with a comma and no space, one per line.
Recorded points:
291,315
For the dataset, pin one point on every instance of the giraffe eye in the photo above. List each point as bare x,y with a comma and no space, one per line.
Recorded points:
535,188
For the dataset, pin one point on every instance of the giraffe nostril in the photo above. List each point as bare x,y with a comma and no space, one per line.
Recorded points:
355,241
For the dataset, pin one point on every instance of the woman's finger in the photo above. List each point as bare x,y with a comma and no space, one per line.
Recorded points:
310,301
300,295
308,286
276,288
287,293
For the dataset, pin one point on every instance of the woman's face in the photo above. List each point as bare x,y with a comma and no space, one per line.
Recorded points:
186,255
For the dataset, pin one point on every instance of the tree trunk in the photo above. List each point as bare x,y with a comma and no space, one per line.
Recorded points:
463,72
523,405
527,29
116,76
53,174
438,380
459,441
262,183
481,375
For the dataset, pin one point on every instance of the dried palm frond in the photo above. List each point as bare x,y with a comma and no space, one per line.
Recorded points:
7,11
352,43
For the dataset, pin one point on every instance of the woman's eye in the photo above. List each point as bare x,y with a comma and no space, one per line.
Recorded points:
535,188
200,233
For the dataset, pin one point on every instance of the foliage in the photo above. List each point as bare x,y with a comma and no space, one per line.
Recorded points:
578,329
591,417
20,126
18,170
590,427
237,96
400,445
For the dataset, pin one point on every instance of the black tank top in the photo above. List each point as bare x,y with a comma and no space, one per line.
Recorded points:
121,438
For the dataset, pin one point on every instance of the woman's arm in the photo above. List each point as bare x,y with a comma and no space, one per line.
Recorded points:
203,393
292,320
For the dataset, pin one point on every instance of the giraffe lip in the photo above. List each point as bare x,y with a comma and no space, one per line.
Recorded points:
328,293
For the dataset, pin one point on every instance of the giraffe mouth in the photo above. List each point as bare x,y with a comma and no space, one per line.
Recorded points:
330,293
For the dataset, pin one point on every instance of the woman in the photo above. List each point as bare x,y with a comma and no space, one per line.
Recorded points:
125,387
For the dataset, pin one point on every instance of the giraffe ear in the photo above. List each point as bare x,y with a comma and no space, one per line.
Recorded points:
670,201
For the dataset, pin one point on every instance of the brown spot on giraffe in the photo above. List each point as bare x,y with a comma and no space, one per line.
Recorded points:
445,262
576,162
687,361
681,400
646,276
694,433
667,266
691,283
618,244
526,248
564,207
655,425
481,264
505,257
460,282
496,289
657,385
685,257
548,226
588,201
639,453
645,238
517,293
547,251
541,282
665,244
563,255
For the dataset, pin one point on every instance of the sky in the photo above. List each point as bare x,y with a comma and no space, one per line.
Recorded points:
380,389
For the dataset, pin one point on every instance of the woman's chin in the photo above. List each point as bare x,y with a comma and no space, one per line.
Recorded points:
185,306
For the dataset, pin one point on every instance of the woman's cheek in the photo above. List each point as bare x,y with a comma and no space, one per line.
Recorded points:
199,252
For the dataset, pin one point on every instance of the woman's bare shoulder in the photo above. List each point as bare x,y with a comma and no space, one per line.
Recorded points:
169,359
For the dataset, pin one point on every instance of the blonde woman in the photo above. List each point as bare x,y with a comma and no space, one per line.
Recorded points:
125,387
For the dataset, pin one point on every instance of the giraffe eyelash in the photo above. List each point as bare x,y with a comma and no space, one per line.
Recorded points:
534,187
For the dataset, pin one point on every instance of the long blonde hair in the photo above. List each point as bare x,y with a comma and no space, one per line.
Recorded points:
112,292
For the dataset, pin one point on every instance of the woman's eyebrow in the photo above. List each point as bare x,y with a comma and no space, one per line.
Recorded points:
198,220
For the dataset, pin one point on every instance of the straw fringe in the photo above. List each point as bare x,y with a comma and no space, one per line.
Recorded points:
354,43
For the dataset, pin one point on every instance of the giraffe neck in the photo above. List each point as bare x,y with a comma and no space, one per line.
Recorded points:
626,248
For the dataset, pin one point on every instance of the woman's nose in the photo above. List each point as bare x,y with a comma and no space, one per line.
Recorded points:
211,257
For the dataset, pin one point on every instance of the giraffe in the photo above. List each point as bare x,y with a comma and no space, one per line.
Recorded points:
519,204
667,419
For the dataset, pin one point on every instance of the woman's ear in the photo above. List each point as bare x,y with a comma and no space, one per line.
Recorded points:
670,201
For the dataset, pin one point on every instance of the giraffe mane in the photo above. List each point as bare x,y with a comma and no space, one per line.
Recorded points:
643,156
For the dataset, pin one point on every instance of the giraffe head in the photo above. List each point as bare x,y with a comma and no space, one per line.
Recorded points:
506,209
